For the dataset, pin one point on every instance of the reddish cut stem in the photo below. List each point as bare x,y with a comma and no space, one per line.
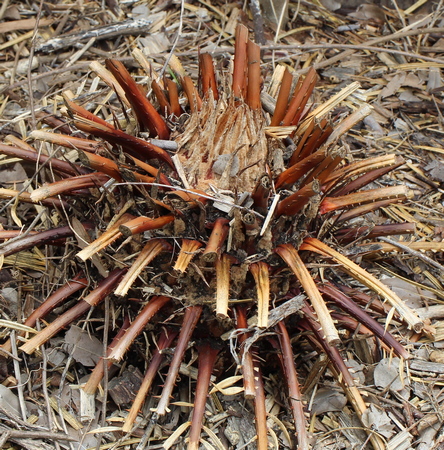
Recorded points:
369,177
42,238
346,235
87,145
282,99
54,122
362,317
300,99
296,201
208,76
165,107
194,99
137,326
295,172
260,271
151,249
72,286
101,164
207,355
319,135
67,185
192,315
323,170
107,238
296,156
141,224
131,144
104,288
187,251
360,211
395,193
332,352
291,256
96,376
57,165
223,265
165,340
25,197
295,397
246,356
240,63
174,97
260,411
162,179
147,115
78,110
216,240
254,76
261,193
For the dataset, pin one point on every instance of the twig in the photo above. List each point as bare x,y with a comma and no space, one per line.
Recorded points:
103,32
20,393
407,249
37,435
179,32
22,235
30,58
3,8
305,47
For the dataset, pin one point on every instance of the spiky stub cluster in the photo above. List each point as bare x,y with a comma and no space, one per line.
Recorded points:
213,240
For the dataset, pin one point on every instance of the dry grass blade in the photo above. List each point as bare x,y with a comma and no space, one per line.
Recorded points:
367,279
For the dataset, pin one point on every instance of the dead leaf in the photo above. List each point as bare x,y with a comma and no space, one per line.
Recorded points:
378,420
15,176
412,295
387,374
86,349
9,401
436,170
369,12
327,400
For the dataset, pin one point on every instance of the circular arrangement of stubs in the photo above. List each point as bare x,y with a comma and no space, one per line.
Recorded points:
216,234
